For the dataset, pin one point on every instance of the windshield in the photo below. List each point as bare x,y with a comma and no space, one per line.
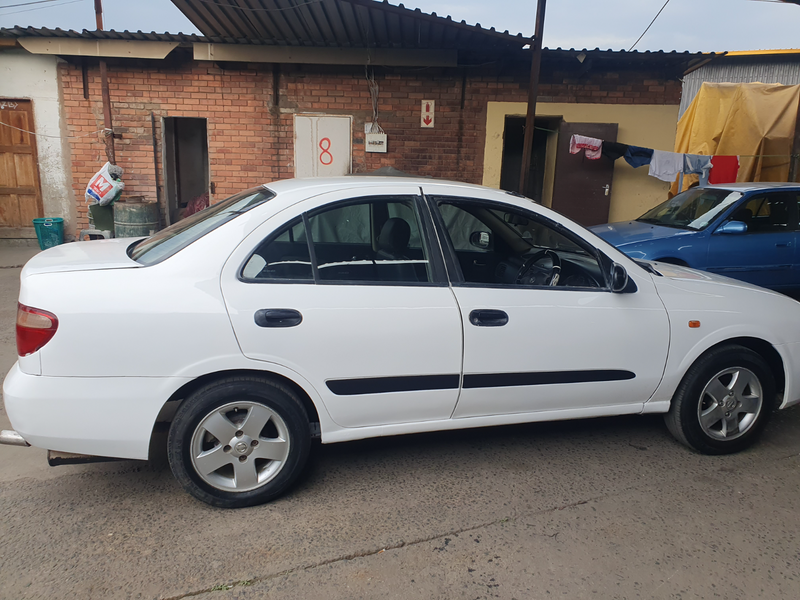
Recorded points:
176,237
693,209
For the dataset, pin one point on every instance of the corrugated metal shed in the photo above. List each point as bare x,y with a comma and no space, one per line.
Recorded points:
767,68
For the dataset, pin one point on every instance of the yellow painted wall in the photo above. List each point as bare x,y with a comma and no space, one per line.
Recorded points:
633,191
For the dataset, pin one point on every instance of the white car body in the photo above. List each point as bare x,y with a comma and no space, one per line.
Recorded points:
131,337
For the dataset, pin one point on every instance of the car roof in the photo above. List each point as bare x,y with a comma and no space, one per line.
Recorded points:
353,182
755,186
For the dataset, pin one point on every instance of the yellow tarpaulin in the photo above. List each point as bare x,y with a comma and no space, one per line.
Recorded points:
753,120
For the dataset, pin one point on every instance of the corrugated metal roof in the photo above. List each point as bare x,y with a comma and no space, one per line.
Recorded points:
742,69
339,23
672,59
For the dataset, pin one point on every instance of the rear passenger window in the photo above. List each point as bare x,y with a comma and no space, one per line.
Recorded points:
373,240
283,256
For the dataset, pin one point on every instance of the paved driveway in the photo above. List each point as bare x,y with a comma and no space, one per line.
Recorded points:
606,508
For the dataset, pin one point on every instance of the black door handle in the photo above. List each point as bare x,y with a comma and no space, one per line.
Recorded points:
487,317
278,317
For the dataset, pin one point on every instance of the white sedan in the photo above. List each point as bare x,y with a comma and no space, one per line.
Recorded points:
361,306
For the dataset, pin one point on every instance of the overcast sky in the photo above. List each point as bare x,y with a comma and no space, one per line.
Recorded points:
694,25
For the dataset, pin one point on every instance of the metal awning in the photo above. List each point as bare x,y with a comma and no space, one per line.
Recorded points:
340,23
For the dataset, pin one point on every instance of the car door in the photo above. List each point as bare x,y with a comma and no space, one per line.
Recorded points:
765,254
345,291
531,347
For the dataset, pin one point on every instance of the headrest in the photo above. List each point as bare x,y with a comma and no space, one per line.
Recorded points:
394,235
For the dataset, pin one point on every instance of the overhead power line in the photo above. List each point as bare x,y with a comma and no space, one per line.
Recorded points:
16,12
27,3
649,26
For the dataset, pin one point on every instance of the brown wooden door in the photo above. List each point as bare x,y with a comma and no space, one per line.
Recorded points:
20,191
582,186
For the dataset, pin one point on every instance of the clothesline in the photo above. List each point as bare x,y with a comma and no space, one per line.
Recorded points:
665,165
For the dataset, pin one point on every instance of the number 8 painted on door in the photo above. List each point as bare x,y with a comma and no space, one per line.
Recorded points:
325,150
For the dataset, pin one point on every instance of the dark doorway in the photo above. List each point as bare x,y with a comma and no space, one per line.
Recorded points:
186,173
582,186
513,140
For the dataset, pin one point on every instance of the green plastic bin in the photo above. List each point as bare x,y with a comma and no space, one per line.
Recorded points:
50,232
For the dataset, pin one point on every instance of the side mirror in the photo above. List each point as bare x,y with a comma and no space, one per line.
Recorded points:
619,278
733,227
480,239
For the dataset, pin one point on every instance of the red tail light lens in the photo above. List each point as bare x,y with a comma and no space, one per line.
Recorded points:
35,327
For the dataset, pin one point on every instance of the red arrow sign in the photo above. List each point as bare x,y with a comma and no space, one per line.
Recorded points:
427,120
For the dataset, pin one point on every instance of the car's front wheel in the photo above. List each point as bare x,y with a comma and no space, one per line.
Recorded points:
239,441
723,402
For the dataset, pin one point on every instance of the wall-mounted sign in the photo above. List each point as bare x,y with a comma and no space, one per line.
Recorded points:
426,118
376,142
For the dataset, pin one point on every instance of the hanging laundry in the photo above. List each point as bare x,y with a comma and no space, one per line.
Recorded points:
593,146
666,165
614,150
697,164
725,170
638,157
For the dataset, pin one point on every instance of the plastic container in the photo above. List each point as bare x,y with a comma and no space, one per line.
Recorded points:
49,232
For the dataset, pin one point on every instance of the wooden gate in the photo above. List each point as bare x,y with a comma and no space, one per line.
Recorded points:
20,190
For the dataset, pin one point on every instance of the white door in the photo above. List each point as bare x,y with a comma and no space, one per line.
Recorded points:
530,346
369,320
322,146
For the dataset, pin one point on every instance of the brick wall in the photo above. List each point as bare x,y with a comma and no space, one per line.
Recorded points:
251,138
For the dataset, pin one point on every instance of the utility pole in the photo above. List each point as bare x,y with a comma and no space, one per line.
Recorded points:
107,124
533,92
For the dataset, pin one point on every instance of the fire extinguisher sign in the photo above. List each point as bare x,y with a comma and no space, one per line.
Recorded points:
427,116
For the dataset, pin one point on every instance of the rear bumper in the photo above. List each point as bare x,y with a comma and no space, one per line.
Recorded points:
100,416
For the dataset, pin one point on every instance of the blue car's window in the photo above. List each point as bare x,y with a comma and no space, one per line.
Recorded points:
692,209
768,214
176,237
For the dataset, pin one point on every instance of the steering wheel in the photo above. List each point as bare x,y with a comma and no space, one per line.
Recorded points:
531,273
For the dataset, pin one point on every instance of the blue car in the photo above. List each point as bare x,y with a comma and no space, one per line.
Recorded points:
747,231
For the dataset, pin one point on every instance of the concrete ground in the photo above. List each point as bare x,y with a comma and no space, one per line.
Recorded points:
605,508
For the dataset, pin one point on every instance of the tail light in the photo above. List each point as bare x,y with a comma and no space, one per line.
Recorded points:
35,327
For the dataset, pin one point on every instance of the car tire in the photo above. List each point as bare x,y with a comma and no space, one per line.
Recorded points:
723,402
239,441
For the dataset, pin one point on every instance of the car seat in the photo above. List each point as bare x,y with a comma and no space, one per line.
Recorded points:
392,245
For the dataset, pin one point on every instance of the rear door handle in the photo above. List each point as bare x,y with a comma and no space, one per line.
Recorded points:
278,317
783,244
488,317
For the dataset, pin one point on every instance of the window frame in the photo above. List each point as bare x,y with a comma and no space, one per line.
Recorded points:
427,233
454,267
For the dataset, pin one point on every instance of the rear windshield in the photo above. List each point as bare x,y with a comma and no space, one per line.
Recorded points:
692,209
176,237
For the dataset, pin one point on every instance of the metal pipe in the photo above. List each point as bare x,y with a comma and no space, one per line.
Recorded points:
107,124
533,92
12,438
98,14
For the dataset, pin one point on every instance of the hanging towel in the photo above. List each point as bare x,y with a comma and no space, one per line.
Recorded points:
666,165
614,150
638,157
725,170
699,165
593,146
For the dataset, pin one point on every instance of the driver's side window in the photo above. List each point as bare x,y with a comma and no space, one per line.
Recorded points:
502,245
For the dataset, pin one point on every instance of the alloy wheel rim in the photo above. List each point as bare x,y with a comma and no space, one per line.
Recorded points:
730,404
240,446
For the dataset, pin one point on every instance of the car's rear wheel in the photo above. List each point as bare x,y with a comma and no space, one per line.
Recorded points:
239,441
723,402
